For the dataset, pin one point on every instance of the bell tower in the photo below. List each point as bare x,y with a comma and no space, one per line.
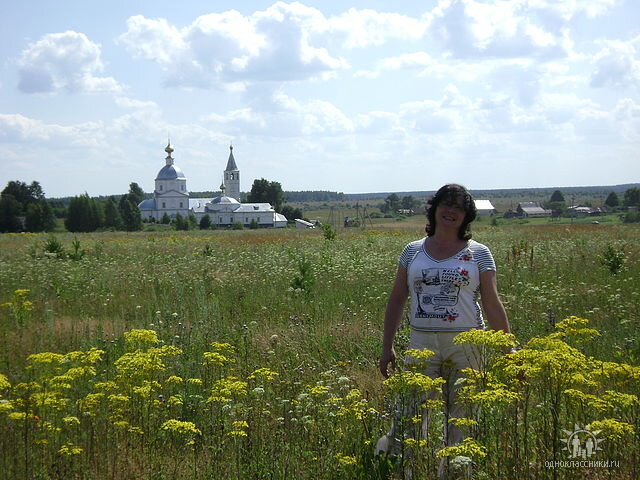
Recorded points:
232,177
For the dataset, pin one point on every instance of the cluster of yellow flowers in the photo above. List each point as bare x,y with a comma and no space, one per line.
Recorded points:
142,394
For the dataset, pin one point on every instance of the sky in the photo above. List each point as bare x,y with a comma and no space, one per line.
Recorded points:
348,96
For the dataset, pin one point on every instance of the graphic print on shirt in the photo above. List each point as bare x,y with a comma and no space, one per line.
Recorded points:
438,291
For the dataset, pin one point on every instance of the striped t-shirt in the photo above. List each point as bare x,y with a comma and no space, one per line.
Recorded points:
444,293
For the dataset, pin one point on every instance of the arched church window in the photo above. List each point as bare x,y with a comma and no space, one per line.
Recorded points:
164,205
160,187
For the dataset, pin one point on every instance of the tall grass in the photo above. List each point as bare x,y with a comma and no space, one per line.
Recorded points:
205,355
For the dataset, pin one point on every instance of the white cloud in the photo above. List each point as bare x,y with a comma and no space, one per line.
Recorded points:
284,116
222,49
132,103
627,115
66,61
617,65
363,28
523,81
407,60
502,29
16,128
565,10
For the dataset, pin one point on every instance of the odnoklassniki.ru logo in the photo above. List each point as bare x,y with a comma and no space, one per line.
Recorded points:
582,444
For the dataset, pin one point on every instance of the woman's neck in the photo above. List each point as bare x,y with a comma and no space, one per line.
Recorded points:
444,236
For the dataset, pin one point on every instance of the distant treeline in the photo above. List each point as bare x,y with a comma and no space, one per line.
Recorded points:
314,196
525,193
328,196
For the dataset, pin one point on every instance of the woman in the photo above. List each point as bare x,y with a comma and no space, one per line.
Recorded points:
444,273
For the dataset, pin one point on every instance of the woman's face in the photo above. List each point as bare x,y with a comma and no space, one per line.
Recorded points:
450,213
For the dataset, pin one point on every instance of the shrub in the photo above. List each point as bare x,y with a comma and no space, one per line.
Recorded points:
53,247
329,232
304,279
613,259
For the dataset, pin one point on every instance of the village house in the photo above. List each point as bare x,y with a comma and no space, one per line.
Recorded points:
485,208
532,210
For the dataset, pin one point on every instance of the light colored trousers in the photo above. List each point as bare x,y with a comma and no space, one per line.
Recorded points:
447,361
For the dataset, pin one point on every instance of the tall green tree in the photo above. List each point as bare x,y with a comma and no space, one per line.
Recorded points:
557,196
291,213
631,197
264,191
131,217
410,203
205,222
40,217
612,200
23,193
181,222
391,204
136,194
83,215
10,211
112,216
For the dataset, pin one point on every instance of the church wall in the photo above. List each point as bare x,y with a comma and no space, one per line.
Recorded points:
264,219
163,186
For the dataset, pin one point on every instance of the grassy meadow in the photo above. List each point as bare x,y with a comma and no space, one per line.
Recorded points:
253,354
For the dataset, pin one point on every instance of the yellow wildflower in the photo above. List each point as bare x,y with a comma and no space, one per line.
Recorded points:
463,422
574,327
487,338
4,383
611,428
91,404
109,386
224,348
216,359
71,421
468,448
5,406
180,427
173,380
17,416
225,389
263,373
45,358
345,460
141,338
318,390
411,383
413,443
69,449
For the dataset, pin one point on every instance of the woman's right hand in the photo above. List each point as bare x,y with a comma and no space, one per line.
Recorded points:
387,357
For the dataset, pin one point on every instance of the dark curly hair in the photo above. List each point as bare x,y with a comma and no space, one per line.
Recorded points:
450,194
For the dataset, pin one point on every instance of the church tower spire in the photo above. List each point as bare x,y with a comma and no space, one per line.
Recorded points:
232,177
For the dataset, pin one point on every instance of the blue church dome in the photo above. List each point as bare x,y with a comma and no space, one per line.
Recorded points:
170,172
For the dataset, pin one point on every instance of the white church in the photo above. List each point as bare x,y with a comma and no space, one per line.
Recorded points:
172,197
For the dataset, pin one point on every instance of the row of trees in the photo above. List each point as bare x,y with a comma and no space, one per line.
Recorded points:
85,214
24,207
631,198
393,203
